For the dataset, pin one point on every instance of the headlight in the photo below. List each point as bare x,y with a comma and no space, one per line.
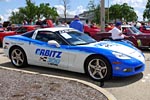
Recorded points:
120,56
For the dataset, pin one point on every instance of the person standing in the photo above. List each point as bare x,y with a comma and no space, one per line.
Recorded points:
77,24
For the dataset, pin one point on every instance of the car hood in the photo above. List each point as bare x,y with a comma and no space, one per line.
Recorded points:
114,46
122,48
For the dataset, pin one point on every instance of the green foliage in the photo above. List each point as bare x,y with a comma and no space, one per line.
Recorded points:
146,14
96,11
47,11
116,11
122,12
16,17
91,5
33,12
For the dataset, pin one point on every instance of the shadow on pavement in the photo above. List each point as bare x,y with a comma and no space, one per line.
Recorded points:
114,82
122,81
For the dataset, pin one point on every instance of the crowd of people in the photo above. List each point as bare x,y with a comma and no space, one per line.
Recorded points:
76,23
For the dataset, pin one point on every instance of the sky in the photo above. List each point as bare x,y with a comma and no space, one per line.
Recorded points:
75,6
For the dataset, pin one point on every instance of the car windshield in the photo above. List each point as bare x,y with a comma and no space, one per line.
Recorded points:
135,30
77,38
147,27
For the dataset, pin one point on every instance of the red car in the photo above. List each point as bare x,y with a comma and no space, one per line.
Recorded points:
1,28
145,29
139,39
91,30
20,30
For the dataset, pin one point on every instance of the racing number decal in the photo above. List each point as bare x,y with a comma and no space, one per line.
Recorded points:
49,56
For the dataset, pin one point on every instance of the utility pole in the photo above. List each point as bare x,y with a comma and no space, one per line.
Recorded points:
108,11
102,13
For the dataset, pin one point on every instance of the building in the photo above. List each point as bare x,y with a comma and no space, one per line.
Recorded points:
69,18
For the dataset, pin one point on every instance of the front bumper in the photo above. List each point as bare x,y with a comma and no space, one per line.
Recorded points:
128,68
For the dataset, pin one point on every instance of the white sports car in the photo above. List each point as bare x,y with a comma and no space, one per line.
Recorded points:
69,49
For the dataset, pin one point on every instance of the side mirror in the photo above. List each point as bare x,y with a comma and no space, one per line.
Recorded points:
54,43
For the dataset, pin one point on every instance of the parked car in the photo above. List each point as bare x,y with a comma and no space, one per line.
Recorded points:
91,30
68,49
145,29
20,30
139,39
1,28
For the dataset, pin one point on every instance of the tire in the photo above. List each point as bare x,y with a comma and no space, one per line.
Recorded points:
98,68
1,44
18,57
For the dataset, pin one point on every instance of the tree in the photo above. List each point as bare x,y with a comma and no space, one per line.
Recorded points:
48,12
95,9
114,12
29,11
91,5
128,13
16,17
33,12
122,12
146,14
66,7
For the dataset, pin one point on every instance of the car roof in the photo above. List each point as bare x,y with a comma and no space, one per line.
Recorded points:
54,29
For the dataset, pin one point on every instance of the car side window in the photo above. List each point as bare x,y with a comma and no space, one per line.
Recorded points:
46,36
21,30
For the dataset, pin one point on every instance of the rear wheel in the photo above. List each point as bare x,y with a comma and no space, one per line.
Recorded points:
98,68
18,57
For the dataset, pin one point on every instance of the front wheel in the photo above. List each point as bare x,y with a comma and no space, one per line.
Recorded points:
98,68
18,57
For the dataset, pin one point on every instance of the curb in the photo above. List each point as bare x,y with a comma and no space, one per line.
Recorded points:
108,95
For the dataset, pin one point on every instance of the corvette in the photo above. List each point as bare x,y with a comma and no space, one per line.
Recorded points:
19,30
139,39
69,49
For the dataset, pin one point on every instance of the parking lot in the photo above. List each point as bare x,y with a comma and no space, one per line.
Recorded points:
130,88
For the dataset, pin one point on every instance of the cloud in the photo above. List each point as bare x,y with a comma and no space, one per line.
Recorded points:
1,17
133,3
78,10
8,14
140,15
60,9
